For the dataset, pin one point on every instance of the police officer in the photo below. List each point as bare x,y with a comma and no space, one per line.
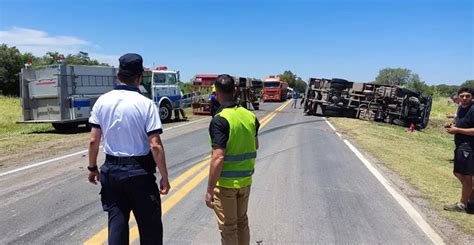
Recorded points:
131,128
233,132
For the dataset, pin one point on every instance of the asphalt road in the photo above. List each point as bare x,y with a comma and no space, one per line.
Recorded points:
309,188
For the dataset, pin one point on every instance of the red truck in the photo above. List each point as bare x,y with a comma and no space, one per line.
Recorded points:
274,89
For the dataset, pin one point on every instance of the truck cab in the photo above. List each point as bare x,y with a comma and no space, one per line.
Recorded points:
274,89
161,85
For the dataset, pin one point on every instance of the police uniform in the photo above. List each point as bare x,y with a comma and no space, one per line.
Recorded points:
234,129
126,119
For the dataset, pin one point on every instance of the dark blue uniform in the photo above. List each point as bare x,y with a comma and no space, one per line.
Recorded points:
129,184
127,120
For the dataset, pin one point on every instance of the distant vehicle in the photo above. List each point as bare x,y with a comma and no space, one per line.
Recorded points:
274,89
201,89
64,94
367,101
247,92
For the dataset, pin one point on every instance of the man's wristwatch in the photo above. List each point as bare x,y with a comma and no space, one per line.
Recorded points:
92,169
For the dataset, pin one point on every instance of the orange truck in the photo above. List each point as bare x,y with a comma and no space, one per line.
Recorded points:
274,89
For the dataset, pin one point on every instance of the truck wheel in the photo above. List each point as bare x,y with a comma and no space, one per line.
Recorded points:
165,112
65,127
400,122
332,111
340,84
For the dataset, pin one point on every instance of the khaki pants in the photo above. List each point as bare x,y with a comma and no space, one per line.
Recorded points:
230,206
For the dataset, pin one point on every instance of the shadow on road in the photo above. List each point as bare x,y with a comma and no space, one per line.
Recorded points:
289,125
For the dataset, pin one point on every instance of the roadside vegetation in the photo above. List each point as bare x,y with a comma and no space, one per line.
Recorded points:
422,158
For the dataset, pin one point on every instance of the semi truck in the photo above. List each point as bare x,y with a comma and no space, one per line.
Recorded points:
274,89
367,101
64,95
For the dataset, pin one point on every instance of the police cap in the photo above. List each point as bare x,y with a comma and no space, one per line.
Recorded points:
130,65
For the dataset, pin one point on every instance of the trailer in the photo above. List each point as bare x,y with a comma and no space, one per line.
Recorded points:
367,101
201,90
248,92
64,95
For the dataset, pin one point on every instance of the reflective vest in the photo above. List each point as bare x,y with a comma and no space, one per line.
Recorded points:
241,151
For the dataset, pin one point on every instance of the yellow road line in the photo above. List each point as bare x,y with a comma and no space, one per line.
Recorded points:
176,198
170,202
101,236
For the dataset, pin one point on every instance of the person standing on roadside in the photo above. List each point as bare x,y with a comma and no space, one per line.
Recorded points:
463,130
295,98
131,128
233,132
455,99
214,104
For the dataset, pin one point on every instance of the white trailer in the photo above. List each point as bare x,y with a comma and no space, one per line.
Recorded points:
64,94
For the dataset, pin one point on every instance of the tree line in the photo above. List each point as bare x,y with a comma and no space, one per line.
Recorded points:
12,60
407,78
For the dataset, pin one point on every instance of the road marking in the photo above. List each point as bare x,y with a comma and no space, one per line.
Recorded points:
174,199
101,236
42,163
79,153
170,202
404,203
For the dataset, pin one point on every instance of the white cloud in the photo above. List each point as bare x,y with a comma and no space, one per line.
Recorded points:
39,42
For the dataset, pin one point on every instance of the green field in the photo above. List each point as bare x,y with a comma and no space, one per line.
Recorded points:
10,111
421,158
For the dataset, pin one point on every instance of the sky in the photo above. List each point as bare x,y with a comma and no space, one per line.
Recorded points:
325,39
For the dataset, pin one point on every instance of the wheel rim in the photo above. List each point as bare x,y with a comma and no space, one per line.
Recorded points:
164,112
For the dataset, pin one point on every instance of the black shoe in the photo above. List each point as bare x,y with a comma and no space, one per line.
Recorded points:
470,208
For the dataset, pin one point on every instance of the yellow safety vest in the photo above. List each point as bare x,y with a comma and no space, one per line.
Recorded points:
241,151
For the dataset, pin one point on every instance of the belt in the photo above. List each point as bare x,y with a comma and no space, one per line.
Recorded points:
126,160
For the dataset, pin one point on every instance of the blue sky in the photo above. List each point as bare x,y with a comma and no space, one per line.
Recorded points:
346,39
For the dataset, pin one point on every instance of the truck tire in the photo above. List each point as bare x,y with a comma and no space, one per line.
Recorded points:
332,111
65,127
165,112
340,84
400,122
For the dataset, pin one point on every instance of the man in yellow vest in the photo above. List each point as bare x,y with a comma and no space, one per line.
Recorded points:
233,132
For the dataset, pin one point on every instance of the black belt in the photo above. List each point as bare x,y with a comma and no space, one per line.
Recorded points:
127,160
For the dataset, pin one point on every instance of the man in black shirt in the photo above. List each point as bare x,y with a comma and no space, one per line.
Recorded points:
463,131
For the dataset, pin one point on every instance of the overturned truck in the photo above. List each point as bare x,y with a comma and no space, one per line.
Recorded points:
367,101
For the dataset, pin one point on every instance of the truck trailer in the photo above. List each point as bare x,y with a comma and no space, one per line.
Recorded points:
64,95
367,101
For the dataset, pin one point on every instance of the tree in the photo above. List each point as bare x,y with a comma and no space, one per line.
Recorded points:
288,77
10,67
444,90
421,86
396,76
468,84
185,87
293,81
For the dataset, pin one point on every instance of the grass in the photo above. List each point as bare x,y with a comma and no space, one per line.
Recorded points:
10,111
421,158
